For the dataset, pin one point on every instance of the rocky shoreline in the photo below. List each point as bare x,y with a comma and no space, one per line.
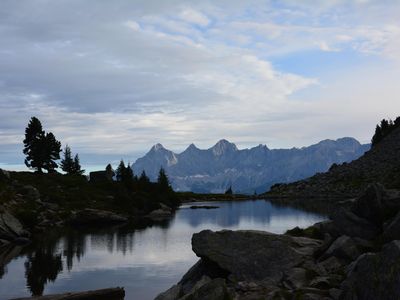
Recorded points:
103,294
354,255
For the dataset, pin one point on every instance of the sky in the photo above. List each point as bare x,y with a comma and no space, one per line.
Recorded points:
112,78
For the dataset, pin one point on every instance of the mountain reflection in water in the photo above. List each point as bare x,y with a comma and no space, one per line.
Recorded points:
145,261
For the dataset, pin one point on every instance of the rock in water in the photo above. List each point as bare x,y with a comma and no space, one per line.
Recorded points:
375,276
95,216
253,255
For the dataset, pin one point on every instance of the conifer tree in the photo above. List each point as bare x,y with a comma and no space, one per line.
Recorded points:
121,171
229,191
34,134
41,149
129,173
52,149
67,163
163,181
144,179
77,168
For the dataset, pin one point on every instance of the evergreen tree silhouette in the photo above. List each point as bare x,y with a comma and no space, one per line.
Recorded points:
67,163
121,171
52,149
77,168
41,149
163,181
229,191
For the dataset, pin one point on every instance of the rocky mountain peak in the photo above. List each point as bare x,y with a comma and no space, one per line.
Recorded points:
157,147
223,146
192,147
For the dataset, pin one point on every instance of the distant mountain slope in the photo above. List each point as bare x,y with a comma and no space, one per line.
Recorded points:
247,170
380,164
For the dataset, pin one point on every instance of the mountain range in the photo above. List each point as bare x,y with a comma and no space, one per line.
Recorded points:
381,165
251,170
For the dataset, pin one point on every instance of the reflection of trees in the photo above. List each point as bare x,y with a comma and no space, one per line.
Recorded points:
74,246
41,267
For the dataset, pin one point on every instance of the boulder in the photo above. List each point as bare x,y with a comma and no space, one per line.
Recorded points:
323,228
343,247
392,230
369,205
375,276
347,223
10,227
215,289
160,214
333,265
326,282
91,216
253,255
295,278
173,293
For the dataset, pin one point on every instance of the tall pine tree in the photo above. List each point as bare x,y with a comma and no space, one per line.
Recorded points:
121,171
67,163
163,181
77,168
52,149
41,149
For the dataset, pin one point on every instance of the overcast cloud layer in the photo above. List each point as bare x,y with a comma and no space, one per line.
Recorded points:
111,78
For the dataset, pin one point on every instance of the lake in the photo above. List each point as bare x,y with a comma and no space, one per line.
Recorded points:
144,261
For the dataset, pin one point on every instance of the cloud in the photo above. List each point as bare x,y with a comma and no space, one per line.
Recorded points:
113,78
194,17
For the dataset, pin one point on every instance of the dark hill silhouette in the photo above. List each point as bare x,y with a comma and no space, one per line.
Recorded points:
380,164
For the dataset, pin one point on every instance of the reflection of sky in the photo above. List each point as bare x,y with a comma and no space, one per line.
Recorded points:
150,260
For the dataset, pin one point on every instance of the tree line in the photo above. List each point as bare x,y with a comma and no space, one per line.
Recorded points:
125,175
383,129
42,151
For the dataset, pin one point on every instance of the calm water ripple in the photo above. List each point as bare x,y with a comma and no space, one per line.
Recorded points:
144,261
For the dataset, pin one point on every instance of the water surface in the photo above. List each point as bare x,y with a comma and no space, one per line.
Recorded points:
143,261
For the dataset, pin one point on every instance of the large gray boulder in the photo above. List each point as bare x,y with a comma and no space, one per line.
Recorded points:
343,247
163,213
173,293
10,227
215,289
347,223
375,276
253,255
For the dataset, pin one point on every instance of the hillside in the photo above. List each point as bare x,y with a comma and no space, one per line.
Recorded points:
380,164
213,170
